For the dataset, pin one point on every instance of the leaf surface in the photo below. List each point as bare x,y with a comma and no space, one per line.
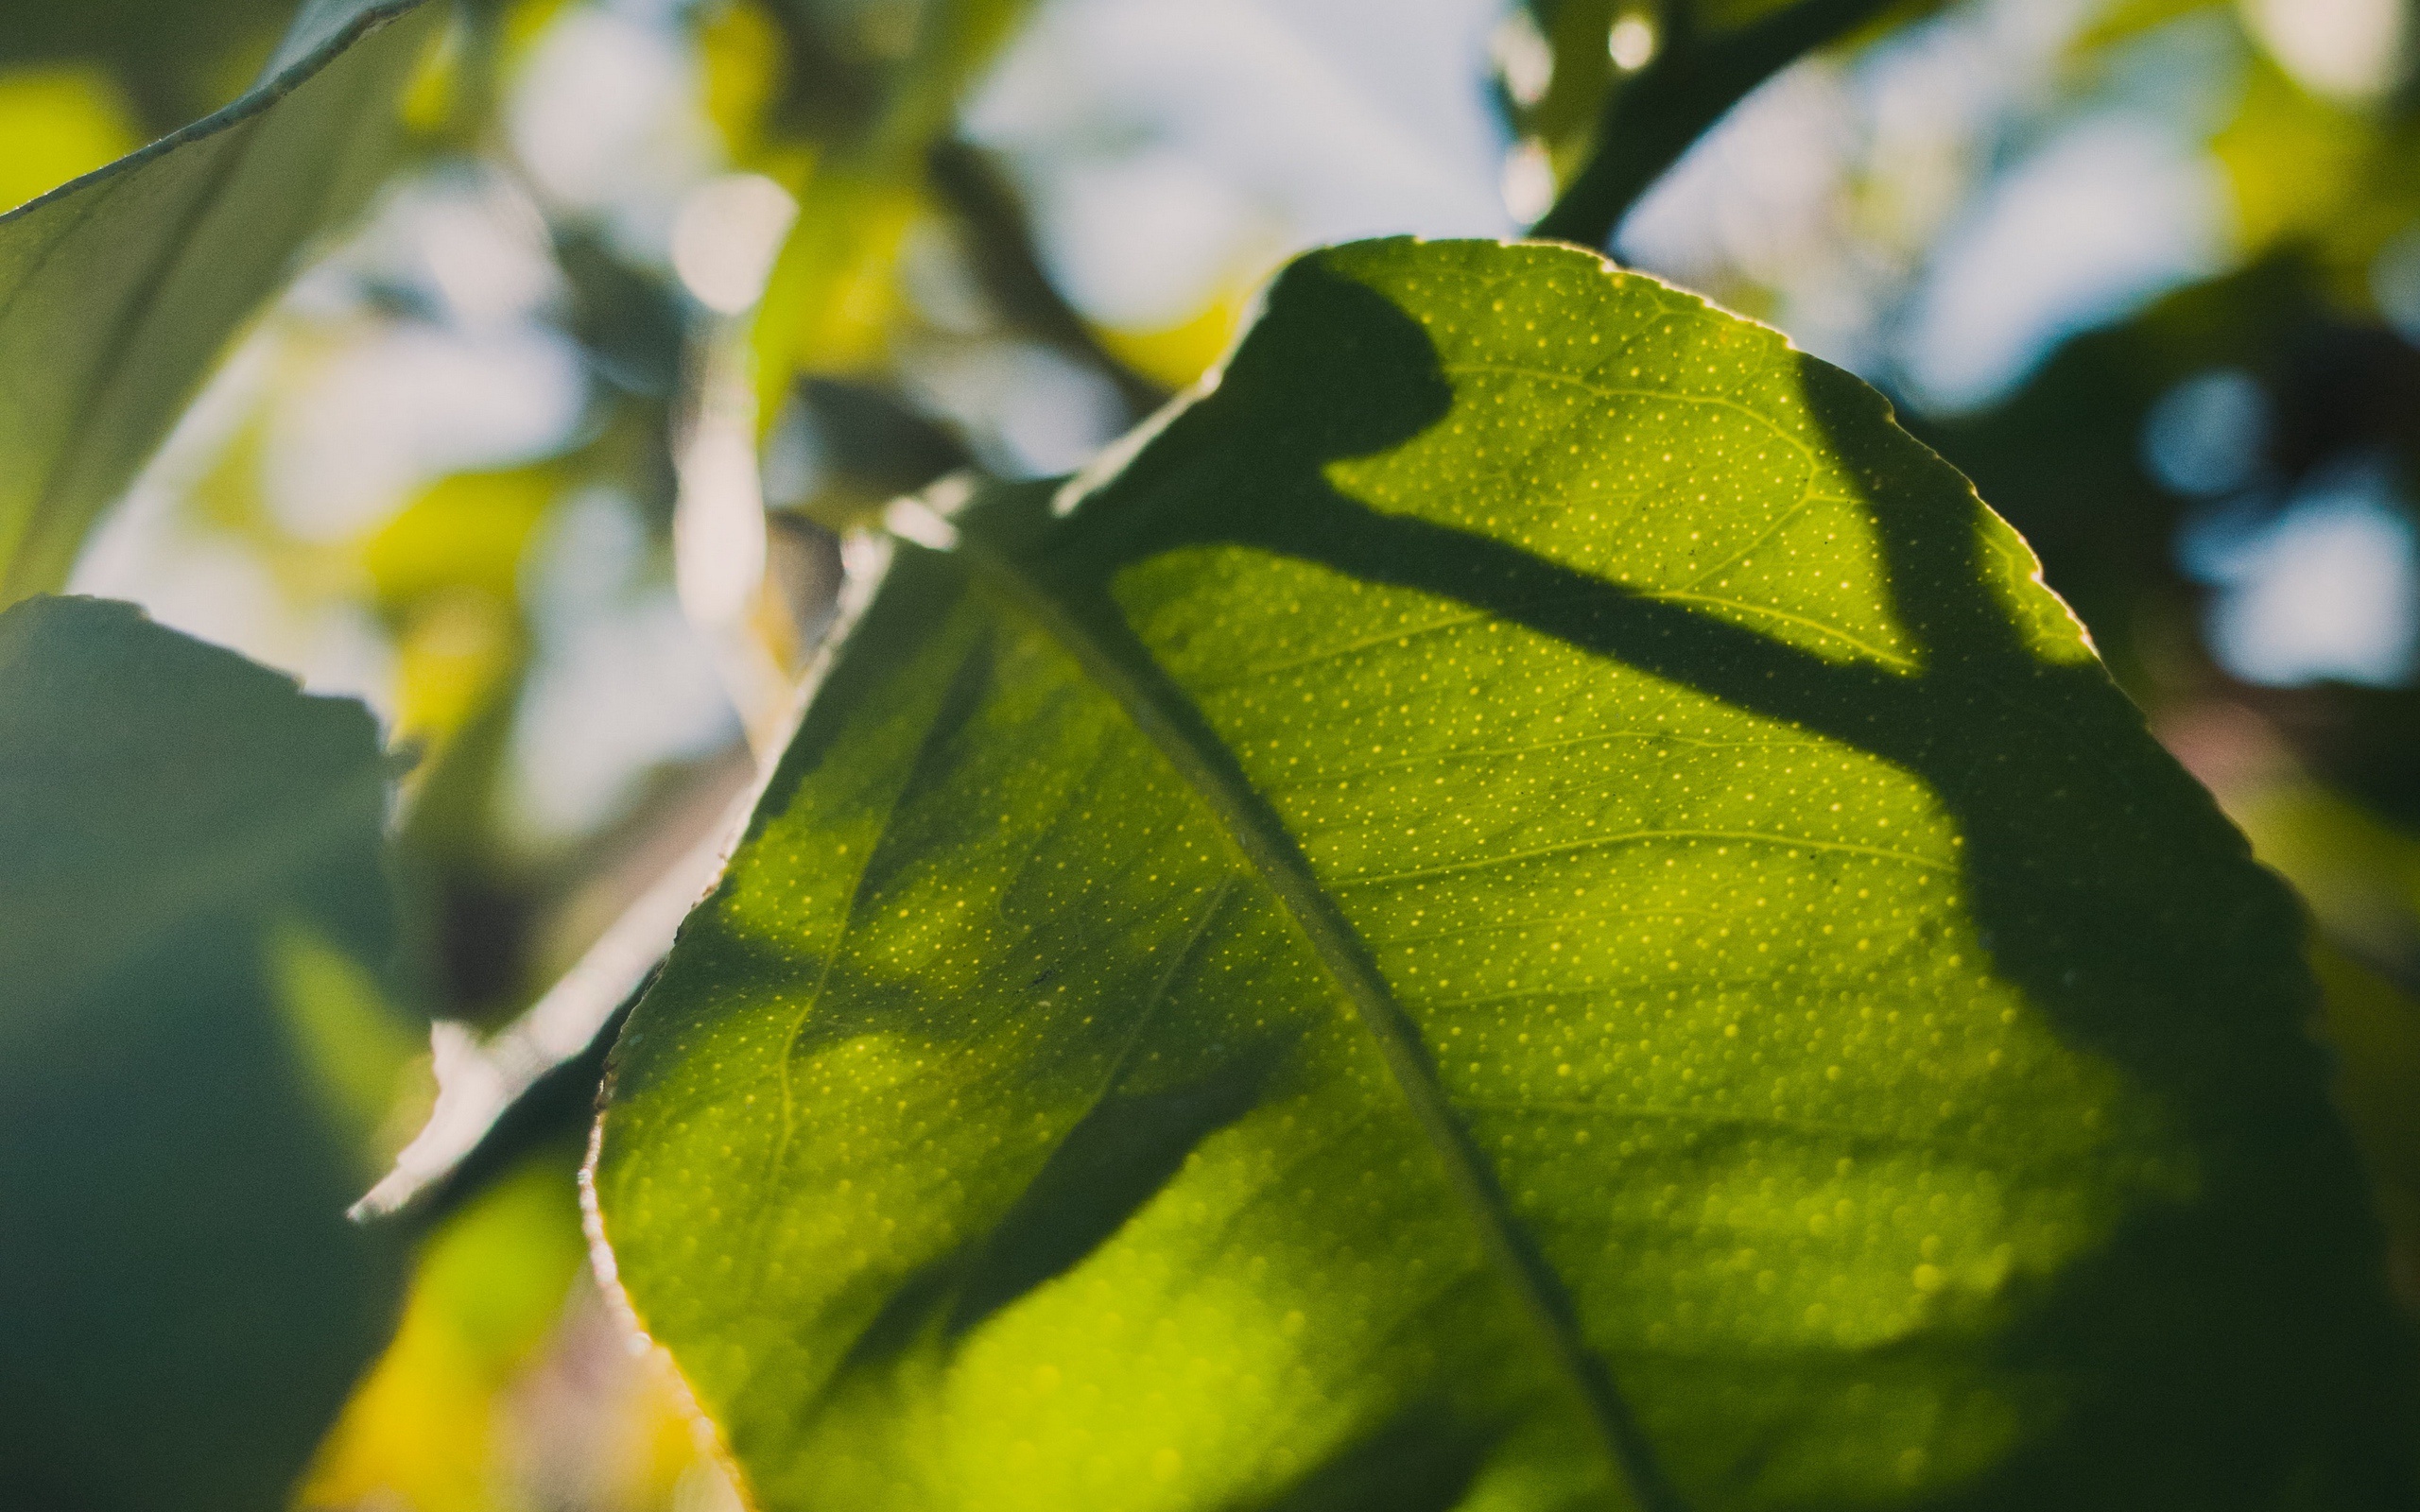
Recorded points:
193,925
119,290
1526,905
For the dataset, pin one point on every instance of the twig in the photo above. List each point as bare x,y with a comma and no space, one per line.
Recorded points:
1653,118
1005,262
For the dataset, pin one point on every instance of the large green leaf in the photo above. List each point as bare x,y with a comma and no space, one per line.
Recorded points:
193,926
117,290
1528,898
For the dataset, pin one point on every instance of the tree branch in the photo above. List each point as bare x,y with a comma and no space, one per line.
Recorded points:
1650,119
1007,264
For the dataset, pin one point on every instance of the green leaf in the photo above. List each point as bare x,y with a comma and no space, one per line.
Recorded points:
191,899
118,290
1525,899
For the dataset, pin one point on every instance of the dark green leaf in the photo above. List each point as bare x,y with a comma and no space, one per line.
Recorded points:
1528,899
193,925
118,290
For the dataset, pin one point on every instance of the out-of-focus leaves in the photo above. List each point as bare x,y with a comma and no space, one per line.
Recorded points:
2291,158
195,931
2062,457
1176,356
885,73
58,123
1007,266
177,59
833,298
2374,1026
1614,131
2329,179
117,290
864,93
447,573
488,1288
1527,896
632,326
870,447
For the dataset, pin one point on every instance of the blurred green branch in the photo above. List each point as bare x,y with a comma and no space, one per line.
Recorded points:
1652,118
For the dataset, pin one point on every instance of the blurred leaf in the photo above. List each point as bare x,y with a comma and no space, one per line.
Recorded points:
884,74
189,850
2360,877
867,91
447,573
58,122
178,58
1007,264
2374,1027
2290,157
488,1287
632,326
2123,21
466,531
833,296
1178,355
1529,894
117,291
869,446
740,56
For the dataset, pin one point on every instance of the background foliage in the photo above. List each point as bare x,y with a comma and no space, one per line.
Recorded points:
582,284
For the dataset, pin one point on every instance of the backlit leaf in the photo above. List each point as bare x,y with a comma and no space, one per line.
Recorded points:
118,290
1526,905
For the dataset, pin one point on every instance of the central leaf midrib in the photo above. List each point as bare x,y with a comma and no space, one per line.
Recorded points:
1160,714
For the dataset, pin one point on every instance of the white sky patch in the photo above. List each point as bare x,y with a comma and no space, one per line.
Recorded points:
386,414
606,118
1175,144
1631,43
2324,591
2207,436
2347,49
620,693
478,244
725,238
2108,216
622,679
1037,412
1528,183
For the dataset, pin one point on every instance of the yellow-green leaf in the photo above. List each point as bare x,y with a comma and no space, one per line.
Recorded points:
1527,904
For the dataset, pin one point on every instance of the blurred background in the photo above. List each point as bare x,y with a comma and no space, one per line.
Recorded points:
552,455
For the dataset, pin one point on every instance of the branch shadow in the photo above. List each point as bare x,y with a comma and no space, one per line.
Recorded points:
2106,887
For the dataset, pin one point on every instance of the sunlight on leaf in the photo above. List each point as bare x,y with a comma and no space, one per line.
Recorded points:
1527,899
